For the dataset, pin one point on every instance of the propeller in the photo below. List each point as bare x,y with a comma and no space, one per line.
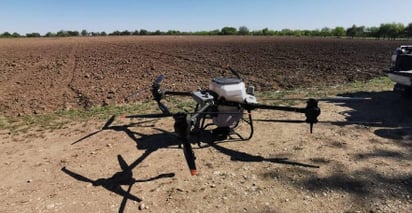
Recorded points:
155,86
182,128
190,157
234,72
312,111
159,79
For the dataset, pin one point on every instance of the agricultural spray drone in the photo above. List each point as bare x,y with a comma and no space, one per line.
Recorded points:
223,106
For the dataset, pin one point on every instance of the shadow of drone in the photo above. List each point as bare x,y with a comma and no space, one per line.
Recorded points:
149,143
119,179
166,139
246,157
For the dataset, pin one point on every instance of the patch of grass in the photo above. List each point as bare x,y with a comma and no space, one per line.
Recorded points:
60,119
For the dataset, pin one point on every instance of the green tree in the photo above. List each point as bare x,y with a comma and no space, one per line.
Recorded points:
399,30
286,32
229,31
32,35
351,31
372,32
265,31
408,30
392,30
125,32
143,32
339,32
84,33
384,30
15,35
173,32
50,34
5,35
325,32
243,30
115,33
73,33
157,32
62,33
214,32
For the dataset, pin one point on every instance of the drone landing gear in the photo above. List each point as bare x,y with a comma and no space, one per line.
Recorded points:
221,133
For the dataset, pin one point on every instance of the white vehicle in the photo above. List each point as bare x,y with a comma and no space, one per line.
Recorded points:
401,70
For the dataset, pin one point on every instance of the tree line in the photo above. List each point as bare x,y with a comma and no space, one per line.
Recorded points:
384,31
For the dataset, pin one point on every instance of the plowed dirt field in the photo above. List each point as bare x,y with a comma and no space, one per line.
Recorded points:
44,75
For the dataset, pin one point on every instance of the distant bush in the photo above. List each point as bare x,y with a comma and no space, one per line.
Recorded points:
5,35
50,34
84,33
32,35
243,30
125,32
143,32
229,31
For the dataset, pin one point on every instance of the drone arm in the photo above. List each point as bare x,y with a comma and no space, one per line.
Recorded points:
280,108
159,94
311,111
163,108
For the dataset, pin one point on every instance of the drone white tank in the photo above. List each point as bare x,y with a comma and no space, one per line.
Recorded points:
231,89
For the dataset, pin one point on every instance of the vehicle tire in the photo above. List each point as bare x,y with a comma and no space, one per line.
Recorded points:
405,91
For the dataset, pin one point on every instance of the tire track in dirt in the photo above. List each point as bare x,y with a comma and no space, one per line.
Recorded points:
82,99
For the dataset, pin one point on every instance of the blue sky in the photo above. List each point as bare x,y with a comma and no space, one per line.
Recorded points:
25,16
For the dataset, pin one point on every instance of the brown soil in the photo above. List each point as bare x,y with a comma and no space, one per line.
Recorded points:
44,75
357,160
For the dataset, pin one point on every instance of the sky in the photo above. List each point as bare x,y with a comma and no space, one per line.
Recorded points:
27,16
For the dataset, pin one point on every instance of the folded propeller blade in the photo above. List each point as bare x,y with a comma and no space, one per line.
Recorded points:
190,157
159,79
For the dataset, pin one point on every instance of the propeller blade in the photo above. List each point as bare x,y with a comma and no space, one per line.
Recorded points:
87,136
158,115
77,176
123,165
190,157
137,93
234,72
108,122
159,79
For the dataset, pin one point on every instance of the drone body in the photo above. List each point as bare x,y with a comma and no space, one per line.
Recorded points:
224,103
